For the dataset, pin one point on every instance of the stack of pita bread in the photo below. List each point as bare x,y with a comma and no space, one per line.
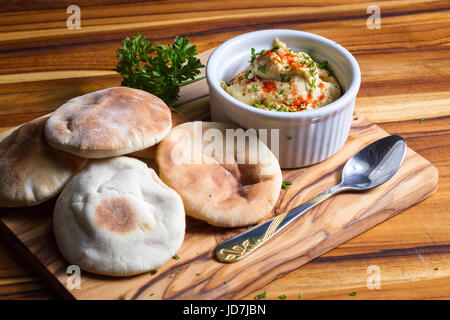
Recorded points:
114,215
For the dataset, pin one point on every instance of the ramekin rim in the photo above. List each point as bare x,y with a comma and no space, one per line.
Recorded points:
345,99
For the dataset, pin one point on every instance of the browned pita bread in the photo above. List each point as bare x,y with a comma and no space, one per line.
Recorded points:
150,153
108,123
30,170
222,194
116,217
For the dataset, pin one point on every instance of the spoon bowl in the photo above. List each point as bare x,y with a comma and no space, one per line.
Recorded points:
375,164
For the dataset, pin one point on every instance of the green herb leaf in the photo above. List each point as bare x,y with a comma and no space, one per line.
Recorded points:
284,79
197,274
300,296
176,257
422,120
157,68
285,184
352,294
436,268
255,88
263,69
252,55
247,73
154,271
282,297
261,295
323,65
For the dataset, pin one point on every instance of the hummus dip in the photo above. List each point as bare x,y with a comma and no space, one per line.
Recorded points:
281,79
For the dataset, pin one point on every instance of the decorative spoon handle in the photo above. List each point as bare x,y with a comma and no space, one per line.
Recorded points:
245,243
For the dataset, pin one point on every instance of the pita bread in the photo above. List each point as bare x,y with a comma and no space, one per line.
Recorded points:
116,217
108,123
150,153
31,171
223,193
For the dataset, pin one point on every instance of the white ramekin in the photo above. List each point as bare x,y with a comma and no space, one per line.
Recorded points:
306,137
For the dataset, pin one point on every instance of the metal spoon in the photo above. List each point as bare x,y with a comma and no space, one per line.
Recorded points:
370,167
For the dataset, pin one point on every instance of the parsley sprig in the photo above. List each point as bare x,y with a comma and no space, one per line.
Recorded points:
156,68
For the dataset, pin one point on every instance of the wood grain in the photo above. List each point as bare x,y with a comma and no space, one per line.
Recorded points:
405,76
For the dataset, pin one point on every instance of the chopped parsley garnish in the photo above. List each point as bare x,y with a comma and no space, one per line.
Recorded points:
262,69
246,73
282,297
243,93
197,274
313,82
283,79
282,91
323,65
154,271
287,67
436,268
254,55
352,294
255,88
288,103
176,257
300,296
285,184
225,282
256,105
261,295
275,48
422,120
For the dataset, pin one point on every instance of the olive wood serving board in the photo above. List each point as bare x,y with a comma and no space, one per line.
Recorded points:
196,274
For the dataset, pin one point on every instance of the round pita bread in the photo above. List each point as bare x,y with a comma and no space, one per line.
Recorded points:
150,153
108,123
116,217
233,192
31,171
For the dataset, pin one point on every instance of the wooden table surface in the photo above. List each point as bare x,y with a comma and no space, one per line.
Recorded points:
405,77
